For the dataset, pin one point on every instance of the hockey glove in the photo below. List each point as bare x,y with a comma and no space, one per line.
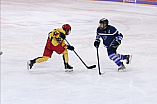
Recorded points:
97,43
62,35
70,48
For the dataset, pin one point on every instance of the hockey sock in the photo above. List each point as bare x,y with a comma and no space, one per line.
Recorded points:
42,59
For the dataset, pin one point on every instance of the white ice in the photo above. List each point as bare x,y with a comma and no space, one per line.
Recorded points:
25,25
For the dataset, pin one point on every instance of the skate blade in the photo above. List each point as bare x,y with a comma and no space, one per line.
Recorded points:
122,70
28,65
68,70
130,59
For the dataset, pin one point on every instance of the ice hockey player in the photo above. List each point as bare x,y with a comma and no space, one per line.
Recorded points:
111,40
55,42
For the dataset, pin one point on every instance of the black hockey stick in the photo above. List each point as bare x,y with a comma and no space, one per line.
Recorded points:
98,62
88,67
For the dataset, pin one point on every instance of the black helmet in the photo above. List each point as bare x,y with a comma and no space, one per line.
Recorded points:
104,21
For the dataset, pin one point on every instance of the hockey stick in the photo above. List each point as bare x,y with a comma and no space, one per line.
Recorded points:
88,67
99,63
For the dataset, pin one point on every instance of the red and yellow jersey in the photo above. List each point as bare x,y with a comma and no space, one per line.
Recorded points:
55,38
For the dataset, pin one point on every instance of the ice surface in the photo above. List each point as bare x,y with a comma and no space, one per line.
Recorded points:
24,28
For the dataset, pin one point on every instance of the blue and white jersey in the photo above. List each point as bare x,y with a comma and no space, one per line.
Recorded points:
109,35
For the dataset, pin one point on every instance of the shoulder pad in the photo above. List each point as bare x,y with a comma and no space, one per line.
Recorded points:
60,30
112,27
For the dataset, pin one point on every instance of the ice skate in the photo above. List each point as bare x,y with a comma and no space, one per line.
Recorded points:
122,67
128,59
30,64
68,68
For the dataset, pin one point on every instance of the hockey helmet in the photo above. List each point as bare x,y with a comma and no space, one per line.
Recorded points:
66,28
104,21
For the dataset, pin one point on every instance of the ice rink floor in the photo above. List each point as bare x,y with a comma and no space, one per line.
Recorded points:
25,25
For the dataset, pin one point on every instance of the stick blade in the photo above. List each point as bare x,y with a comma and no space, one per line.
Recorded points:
101,73
91,67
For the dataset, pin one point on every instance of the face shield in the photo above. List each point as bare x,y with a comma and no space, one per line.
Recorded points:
67,31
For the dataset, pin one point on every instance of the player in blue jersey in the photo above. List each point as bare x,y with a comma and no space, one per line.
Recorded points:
111,40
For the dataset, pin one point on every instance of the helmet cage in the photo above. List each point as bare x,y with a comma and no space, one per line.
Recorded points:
67,31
